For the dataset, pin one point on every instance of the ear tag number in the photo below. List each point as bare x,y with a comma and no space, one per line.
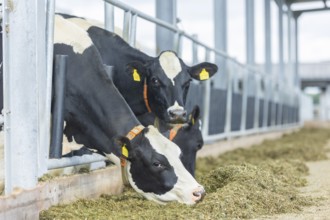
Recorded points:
124,151
204,75
136,76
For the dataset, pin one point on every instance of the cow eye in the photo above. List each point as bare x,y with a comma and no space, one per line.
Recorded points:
155,81
199,145
157,164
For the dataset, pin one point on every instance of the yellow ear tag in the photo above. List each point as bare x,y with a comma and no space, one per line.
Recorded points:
124,151
204,75
136,76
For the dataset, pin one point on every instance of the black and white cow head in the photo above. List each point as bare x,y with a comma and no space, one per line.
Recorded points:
166,81
187,136
190,140
163,81
154,169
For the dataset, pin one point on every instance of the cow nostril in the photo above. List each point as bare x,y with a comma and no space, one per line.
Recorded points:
177,114
199,195
172,114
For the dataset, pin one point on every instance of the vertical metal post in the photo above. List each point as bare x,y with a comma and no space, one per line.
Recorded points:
220,41
132,35
266,102
45,128
194,50
21,91
126,25
289,36
268,60
244,100
296,40
268,47
58,106
281,75
166,11
206,102
109,15
256,101
229,97
250,45
178,47
274,98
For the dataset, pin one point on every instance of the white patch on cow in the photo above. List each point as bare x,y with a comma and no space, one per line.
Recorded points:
85,23
68,33
170,63
186,184
174,107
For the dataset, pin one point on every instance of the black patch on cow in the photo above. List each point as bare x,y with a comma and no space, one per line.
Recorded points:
116,52
190,140
94,110
146,162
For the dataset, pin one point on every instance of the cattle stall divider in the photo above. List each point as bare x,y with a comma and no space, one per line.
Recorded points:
58,106
247,75
253,95
239,106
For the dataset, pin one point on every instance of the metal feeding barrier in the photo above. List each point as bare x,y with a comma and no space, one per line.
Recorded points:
238,100
248,102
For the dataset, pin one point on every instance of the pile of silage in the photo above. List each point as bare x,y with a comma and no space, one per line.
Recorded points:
261,180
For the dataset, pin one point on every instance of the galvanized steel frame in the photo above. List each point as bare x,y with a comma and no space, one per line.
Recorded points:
275,96
37,139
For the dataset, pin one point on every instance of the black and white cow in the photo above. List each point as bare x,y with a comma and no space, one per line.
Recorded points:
96,113
187,136
159,85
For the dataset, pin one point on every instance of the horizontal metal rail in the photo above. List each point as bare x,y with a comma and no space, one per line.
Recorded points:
180,32
129,34
234,134
276,95
74,161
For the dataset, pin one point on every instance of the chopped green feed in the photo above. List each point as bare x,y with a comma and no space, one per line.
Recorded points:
244,183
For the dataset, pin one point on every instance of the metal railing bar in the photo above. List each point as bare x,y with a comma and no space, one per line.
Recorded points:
234,134
74,161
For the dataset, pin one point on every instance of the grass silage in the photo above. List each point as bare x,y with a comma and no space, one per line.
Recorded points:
244,183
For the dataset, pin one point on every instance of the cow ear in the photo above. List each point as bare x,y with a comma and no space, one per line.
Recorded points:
136,71
123,147
203,71
194,116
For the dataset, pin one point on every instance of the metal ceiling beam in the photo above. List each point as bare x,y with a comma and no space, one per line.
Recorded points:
302,1
311,10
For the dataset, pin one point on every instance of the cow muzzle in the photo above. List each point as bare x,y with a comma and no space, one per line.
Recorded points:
177,115
198,194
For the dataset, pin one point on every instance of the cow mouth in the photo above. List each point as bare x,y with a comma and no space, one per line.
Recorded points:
177,117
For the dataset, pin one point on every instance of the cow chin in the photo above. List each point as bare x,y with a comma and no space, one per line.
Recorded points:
182,192
174,195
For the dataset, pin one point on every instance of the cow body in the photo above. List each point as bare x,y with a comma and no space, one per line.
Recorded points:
187,136
148,84
97,116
